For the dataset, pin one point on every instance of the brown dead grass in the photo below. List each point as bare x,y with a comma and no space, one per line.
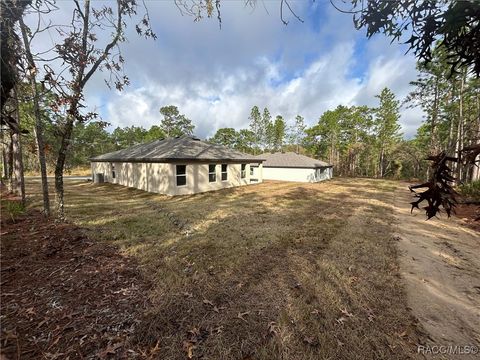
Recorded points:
269,271
75,171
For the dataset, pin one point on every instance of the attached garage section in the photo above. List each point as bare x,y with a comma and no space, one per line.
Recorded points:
297,174
293,167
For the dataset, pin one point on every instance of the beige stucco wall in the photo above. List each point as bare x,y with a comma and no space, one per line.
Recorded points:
161,178
294,174
102,168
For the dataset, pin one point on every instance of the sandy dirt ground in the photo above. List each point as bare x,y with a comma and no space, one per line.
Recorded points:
440,263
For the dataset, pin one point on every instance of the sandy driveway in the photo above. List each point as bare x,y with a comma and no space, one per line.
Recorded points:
441,265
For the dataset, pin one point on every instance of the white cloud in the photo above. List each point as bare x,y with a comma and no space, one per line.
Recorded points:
323,85
215,76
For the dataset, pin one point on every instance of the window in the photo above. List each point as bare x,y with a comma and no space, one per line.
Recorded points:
212,176
224,172
251,170
181,175
243,173
113,170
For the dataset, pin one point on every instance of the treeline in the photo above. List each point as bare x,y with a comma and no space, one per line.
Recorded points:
366,141
357,140
264,134
451,102
89,138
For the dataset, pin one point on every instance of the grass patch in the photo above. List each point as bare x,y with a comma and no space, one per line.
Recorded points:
11,207
470,191
74,171
268,271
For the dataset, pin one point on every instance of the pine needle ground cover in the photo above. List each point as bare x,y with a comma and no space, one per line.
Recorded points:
268,271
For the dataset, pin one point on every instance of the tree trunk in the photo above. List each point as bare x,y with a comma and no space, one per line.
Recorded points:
10,162
476,168
434,139
17,156
43,166
5,160
18,179
60,166
38,121
458,143
11,12
382,154
452,122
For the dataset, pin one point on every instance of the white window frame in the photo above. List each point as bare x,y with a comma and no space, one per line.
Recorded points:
112,166
214,173
243,173
177,175
224,172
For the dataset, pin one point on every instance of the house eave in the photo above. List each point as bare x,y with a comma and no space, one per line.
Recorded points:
298,167
176,160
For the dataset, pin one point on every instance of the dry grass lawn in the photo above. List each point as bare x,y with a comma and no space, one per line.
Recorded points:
269,271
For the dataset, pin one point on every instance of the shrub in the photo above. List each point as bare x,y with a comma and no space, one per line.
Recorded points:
471,190
13,208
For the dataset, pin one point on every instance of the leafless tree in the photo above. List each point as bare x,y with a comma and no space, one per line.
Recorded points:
31,74
83,54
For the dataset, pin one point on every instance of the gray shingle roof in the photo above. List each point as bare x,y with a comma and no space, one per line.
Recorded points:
172,149
291,160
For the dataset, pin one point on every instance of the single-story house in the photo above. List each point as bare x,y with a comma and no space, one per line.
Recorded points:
176,166
290,166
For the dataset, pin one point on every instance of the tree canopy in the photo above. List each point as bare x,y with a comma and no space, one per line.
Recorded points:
455,24
173,123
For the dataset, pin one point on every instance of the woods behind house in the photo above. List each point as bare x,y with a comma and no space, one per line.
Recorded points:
357,140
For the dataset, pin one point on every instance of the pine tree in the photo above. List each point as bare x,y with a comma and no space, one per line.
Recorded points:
387,128
256,127
296,133
278,133
175,124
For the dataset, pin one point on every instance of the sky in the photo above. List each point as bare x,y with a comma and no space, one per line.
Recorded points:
215,75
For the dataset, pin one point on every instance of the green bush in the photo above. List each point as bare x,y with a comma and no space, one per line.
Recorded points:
13,208
471,190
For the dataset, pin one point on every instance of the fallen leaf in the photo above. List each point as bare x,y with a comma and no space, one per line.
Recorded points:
156,348
345,312
217,330
189,347
31,311
241,315
341,320
41,323
110,350
208,302
195,332
308,339
272,328
352,279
